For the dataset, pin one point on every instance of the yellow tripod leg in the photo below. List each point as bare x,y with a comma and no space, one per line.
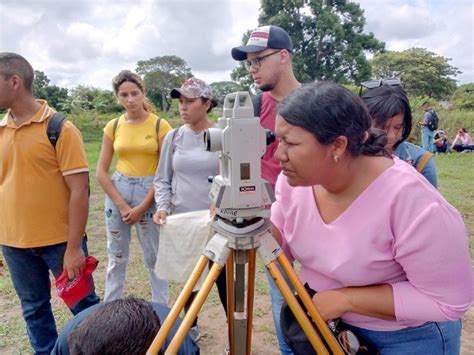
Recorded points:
194,309
322,326
295,307
178,306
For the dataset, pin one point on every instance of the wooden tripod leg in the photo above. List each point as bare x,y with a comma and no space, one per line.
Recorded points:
194,309
250,298
322,326
178,306
295,307
230,301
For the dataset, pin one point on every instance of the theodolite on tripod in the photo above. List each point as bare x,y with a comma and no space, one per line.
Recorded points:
242,200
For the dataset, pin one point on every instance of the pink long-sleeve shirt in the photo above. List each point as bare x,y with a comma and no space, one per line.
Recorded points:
400,231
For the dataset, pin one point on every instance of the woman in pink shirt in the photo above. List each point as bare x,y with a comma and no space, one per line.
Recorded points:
462,142
384,250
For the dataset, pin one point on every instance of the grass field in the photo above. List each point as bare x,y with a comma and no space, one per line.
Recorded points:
455,174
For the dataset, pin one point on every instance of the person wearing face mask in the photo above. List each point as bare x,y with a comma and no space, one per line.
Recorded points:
390,111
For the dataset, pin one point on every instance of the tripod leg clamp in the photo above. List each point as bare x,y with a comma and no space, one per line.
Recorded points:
269,249
217,249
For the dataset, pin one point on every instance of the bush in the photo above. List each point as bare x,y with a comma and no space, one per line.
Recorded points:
463,97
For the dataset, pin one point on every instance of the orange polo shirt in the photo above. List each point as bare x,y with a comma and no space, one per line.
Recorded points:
34,197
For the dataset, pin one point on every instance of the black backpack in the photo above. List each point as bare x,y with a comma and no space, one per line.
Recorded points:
433,120
55,125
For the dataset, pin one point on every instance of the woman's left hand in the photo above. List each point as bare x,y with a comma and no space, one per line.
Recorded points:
331,304
134,215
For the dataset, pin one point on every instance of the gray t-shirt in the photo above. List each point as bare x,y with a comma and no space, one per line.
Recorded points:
181,181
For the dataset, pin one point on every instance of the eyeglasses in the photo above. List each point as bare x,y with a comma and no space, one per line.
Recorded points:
257,61
372,84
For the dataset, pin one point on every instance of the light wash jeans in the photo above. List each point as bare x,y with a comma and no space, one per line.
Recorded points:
434,338
133,190
427,139
277,302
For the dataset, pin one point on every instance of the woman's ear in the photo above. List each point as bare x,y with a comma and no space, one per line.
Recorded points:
340,146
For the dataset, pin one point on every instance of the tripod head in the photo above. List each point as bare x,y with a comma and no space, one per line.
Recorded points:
239,193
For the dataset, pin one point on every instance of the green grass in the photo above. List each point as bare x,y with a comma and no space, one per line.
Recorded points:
455,182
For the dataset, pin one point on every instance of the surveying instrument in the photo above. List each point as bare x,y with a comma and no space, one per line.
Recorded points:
242,224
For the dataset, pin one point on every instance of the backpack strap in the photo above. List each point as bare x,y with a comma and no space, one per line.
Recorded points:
257,104
173,138
114,128
157,129
55,125
423,161
54,128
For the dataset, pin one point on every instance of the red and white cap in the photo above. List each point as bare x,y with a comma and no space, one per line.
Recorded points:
261,38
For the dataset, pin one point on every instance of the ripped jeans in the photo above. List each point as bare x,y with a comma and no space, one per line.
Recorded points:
133,190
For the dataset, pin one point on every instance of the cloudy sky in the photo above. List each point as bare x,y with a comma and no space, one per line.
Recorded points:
89,41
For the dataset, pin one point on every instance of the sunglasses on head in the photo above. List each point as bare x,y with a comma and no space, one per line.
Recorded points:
372,84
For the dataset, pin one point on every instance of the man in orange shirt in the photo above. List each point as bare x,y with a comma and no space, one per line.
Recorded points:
43,200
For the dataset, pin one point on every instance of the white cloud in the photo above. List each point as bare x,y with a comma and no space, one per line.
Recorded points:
442,27
87,42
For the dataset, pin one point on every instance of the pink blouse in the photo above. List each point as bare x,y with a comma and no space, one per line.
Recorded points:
400,231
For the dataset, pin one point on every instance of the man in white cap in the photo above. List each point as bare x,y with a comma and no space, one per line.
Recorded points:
268,58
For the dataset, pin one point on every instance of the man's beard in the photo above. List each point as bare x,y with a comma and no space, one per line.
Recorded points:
266,87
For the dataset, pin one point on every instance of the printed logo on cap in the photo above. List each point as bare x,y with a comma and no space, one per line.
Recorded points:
259,37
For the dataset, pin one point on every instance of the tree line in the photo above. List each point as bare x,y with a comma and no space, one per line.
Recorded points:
329,44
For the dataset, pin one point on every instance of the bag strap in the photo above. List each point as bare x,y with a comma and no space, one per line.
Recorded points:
114,128
173,139
54,128
157,129
423,161
257,104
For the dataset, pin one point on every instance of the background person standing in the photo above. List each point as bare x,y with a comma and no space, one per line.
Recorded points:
426,133
44,200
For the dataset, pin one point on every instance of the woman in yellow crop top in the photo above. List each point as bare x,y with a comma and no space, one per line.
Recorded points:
135,137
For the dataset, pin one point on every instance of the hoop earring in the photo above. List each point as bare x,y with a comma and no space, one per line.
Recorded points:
336,158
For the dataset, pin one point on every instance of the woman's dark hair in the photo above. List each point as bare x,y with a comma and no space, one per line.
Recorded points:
387,101
328,111
212,101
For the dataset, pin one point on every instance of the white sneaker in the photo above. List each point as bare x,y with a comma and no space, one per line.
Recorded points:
194,333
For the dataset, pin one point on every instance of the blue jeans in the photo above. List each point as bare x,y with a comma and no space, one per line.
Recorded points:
277,302
427,139
29,270
133,190
434,338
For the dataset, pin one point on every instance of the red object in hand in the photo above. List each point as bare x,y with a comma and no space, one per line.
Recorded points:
72,291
